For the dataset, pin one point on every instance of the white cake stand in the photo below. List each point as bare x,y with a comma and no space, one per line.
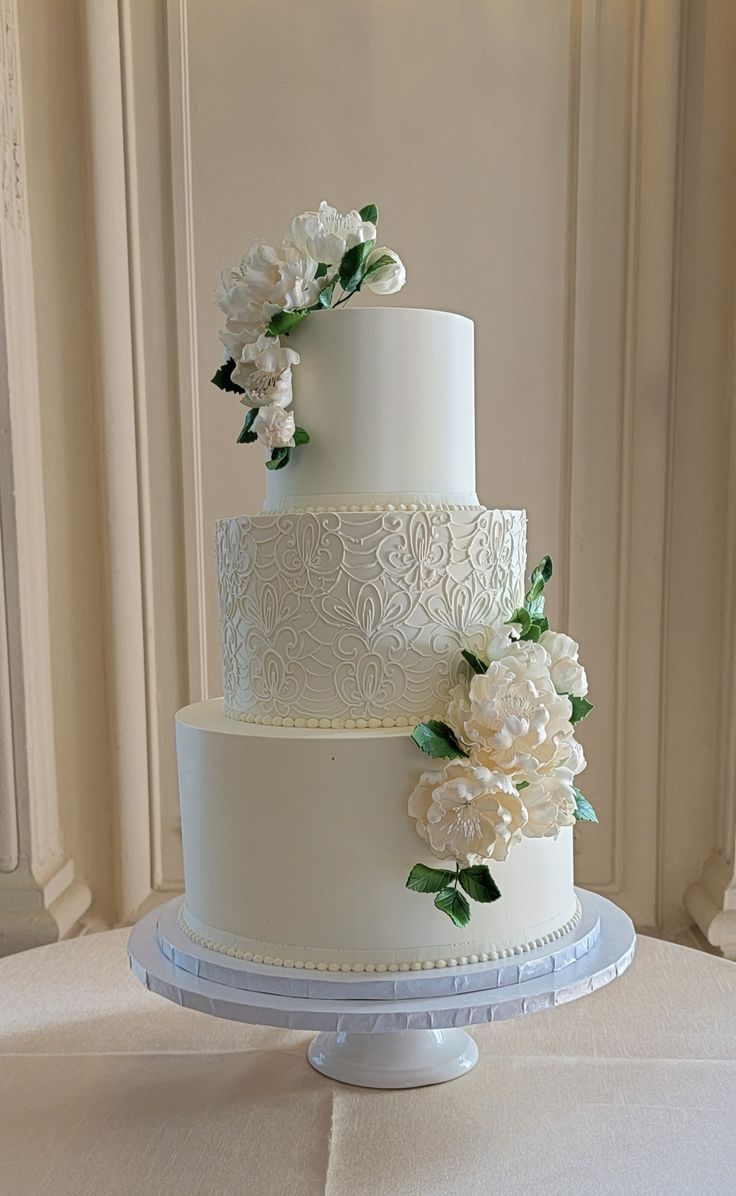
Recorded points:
397,1030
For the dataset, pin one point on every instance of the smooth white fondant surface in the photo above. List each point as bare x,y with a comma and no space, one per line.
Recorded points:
299,840
387,397
360,617
252,950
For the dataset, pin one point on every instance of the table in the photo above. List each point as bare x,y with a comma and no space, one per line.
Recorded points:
107,1089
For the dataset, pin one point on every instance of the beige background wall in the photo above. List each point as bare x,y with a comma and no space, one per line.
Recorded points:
563,173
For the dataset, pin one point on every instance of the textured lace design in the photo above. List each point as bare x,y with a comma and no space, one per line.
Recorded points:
360,615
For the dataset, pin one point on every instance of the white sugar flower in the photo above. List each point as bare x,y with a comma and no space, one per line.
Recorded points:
497,641
267,280
550,805
261,270
233,295
467,813
511,717
264,372
568,759
327,234
297,286
389,277
568,675
242,293
275,427
245,317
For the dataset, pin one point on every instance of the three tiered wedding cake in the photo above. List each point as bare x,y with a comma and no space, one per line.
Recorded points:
346,606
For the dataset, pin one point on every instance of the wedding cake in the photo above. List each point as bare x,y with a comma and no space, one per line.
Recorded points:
371,609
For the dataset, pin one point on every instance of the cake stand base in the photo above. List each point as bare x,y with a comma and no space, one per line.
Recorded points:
402,1031
404,1059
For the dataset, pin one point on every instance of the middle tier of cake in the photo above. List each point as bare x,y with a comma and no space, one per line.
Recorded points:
356,619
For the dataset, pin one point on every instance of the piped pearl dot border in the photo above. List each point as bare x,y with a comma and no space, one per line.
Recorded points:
372,507
318,724
426,965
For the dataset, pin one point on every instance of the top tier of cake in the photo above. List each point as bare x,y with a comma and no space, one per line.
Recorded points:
387,396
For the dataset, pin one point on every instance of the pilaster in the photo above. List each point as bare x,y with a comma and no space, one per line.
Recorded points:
40,898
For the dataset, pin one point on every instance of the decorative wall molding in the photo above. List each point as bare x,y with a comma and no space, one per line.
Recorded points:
712,899
140,440
10,119
198,537
8,812
624,228
707,390
40,898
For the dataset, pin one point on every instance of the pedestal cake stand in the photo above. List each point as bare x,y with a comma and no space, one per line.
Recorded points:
396,1029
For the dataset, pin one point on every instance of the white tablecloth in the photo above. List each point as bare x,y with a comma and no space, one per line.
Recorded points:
107,1089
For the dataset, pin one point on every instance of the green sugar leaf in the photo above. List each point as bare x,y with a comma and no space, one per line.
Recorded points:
438,740
301,435
279,458
325,295
453,903
522,617
246,435
534,600
479,884
584,812
475,662
581,708
380,262
352,266
429,880
284,322
224,378
544,570
369,213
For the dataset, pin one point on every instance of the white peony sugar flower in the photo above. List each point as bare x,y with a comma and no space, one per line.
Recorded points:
264,372
267,280
326,235
389,277
568,759
467,813
297,286
511,717
550,805
275,427
568,675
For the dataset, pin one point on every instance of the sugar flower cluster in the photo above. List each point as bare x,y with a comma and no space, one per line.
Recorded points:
326,258
512,758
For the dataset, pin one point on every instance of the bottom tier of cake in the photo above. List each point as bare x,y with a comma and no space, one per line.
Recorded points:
297,846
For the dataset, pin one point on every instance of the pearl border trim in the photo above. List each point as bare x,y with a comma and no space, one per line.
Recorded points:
318,724
268,509
417,966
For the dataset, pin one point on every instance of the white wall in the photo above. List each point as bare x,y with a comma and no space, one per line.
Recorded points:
561,172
